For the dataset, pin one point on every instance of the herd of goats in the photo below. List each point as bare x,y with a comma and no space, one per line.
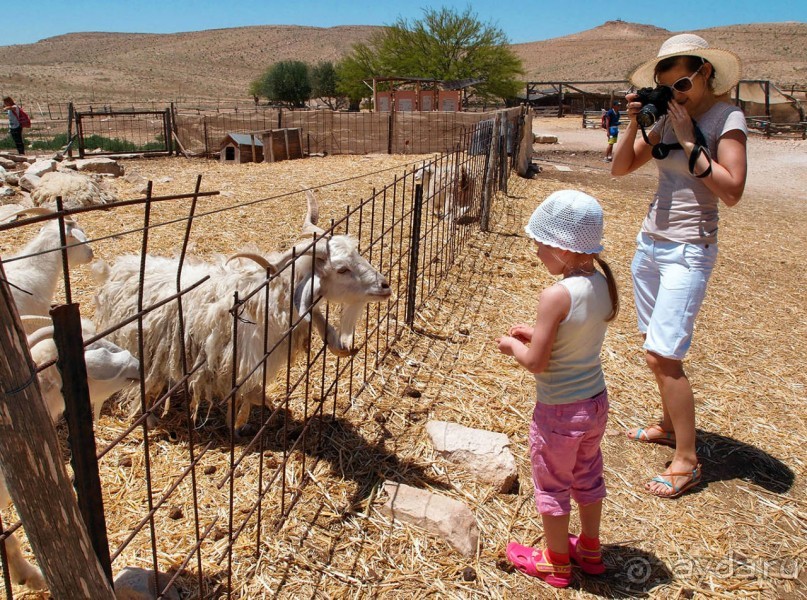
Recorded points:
283,293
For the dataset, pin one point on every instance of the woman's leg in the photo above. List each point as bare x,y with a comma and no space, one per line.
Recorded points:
16,135
679,417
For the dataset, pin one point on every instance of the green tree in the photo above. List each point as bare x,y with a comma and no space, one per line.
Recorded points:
323,85
287,82
351,72
445,45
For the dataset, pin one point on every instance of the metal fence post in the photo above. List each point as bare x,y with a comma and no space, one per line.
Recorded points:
78,414
414,257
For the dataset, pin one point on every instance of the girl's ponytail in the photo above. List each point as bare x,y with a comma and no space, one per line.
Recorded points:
612,289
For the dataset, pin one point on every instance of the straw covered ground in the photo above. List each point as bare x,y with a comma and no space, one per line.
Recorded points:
741,533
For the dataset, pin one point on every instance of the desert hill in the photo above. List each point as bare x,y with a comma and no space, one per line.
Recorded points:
220,63
775,51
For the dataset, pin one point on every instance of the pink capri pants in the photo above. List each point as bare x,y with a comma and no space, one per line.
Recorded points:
566,455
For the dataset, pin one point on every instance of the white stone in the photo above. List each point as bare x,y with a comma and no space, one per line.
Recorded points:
40,167
483,454
29,182
6,192
7,163
450,519
100,165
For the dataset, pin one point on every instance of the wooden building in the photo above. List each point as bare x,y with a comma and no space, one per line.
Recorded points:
241,148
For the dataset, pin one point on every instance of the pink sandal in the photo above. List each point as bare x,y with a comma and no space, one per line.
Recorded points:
534,563
589,561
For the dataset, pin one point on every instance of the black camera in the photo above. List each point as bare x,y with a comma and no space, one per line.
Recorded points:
654,104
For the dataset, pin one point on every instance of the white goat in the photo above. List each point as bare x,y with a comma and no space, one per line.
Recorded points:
448,197
333,270
75,189
34,278
109,370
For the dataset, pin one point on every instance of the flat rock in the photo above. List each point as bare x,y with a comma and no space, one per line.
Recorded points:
450,519
545,139
134,583
40,167
99,165
483,454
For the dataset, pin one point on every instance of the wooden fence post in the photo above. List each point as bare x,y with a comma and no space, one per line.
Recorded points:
32,464
490,172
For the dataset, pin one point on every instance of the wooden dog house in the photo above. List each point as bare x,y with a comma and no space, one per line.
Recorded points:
241,148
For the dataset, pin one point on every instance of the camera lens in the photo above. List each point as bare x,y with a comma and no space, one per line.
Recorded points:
647,116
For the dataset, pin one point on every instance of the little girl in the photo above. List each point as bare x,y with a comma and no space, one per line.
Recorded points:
562,349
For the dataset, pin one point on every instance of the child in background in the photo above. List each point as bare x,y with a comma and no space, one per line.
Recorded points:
562,349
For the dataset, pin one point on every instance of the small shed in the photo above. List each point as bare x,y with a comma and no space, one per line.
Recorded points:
282,144
241,148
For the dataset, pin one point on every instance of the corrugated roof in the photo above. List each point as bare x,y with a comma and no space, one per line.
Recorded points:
243,139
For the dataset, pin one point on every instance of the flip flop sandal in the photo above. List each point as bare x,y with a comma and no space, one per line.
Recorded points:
694,475
532,562
667,438
589,561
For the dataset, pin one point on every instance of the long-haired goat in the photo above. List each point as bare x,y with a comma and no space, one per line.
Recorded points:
331,269
448,196
109,370
35,270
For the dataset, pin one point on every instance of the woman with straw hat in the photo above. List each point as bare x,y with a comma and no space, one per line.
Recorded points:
699,147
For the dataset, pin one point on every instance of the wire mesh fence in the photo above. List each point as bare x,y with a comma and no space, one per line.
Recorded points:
242,372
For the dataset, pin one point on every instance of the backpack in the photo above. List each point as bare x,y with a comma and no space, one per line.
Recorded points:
604,121
23,118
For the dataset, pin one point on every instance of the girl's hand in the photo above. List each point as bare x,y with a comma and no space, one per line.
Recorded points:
522,332
681,123
505,344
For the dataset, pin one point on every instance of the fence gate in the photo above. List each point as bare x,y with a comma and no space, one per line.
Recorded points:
115,132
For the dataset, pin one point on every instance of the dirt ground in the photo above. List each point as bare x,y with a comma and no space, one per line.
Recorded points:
777,167
738,534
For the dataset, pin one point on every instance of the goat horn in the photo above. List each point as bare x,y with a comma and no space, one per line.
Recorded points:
261,260
32,210
39,335
312,216
31,323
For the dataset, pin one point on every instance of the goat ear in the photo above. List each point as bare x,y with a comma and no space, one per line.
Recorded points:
77,233
306,294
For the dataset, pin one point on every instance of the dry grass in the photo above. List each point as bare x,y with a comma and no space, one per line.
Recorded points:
746,368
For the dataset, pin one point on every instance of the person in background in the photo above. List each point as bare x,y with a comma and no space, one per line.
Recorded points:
14,127
562,348
612,129
699,147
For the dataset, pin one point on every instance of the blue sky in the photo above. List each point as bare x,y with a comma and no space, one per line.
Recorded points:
522,21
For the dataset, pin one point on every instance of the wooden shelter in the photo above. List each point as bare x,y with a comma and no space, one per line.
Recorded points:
282,144
241,148
419,94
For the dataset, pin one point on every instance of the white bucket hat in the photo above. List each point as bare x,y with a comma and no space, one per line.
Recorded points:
726,64
569,220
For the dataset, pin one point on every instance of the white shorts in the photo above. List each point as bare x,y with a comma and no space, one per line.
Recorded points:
669,284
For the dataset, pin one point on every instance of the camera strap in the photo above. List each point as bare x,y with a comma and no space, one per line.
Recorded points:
695,155
661,150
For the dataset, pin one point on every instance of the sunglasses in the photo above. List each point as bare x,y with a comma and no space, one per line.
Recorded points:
684,84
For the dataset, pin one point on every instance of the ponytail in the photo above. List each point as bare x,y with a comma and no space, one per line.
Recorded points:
612,289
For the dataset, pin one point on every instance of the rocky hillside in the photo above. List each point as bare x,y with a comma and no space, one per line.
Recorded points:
220,63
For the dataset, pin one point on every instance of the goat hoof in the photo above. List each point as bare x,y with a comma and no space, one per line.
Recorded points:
247,431
32,579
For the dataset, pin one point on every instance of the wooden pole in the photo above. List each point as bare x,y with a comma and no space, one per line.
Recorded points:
33,467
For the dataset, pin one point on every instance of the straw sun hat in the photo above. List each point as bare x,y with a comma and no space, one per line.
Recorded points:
726,64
